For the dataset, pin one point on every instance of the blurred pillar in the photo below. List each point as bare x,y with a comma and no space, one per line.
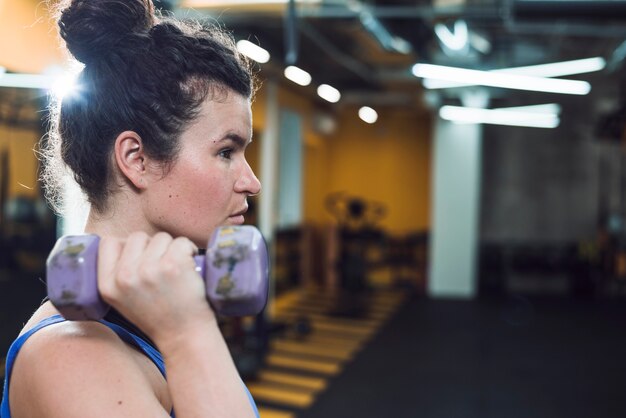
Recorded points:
290,170
268,164
268,175
456,203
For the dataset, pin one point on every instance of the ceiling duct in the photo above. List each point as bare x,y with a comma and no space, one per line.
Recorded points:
569,9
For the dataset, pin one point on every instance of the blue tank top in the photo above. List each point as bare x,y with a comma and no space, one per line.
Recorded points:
125,335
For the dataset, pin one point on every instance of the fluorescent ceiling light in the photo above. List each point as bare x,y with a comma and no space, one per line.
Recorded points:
27,81
455,40
368,115
560,69
505,116
548,108
328,93
253,51
556,69
59,85
502,80
298,75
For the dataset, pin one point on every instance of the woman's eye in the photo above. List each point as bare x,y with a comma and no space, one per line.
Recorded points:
227,154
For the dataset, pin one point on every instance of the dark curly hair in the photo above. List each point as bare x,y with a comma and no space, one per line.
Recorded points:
142,72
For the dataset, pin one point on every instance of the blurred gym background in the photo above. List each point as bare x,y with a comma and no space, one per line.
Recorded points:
445,243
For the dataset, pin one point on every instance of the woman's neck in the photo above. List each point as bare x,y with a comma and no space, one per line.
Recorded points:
121,219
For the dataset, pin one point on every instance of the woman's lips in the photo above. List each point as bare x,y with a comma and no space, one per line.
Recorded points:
236,219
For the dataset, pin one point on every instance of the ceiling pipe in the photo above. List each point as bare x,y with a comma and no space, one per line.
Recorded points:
291,34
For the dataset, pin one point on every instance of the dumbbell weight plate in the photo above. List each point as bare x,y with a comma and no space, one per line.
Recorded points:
72,260
236,264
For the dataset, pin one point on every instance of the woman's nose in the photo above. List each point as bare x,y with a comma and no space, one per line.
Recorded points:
248,182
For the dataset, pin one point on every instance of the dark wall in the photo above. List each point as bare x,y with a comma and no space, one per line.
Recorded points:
546,184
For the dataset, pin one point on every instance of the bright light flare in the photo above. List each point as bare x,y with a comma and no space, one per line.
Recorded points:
64,86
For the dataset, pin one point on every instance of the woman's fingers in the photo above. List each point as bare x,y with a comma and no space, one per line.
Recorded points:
181,249
152,281
157,246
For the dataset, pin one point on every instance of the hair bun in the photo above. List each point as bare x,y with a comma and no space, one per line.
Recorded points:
93,28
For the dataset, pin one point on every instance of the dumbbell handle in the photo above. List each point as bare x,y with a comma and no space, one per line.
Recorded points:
235,271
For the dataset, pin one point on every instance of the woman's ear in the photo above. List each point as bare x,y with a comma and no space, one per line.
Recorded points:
130,158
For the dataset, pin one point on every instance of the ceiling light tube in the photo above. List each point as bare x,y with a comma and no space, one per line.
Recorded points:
559,69
27,81
548,108
507,117
508,81
253,51
298,75
555,69
59,85
368,115
328,93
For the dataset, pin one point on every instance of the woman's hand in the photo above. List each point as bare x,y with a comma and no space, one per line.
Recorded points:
153,282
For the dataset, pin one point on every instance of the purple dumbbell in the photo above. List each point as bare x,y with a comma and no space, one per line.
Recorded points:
235,271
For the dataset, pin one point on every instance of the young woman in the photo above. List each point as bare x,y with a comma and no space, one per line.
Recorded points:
155,136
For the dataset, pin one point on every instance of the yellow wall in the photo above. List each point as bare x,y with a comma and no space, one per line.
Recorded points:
30,43
388,162
20,144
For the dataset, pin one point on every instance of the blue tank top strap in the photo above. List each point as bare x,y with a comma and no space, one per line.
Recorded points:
134,340
156,356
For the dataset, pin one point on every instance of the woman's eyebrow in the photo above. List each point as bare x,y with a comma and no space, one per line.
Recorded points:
237,139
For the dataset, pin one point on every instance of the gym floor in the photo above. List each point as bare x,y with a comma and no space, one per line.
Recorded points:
509,356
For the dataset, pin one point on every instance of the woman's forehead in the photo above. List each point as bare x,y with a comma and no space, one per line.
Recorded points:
232,115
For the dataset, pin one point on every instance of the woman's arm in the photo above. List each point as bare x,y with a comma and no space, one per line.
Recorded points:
202,377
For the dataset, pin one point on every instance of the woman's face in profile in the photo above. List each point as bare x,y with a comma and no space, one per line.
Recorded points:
209,182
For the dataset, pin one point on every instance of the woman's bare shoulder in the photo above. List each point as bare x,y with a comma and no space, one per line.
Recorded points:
80,369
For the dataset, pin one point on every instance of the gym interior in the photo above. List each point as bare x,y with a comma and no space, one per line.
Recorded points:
444,201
